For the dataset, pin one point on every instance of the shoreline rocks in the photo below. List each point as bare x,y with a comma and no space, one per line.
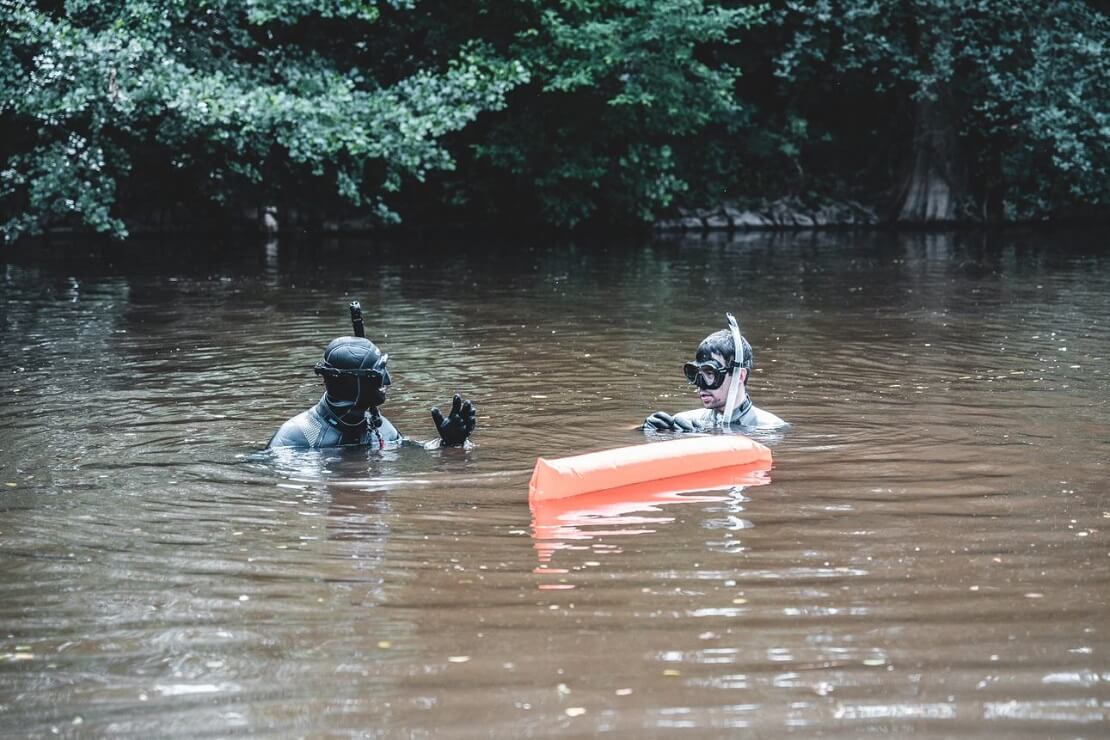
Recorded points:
785,213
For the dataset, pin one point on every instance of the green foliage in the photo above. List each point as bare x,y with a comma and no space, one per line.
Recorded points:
221,96
292,11
63,179
1024,84
565,112
617,87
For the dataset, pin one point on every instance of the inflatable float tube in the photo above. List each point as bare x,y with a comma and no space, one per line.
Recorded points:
560,518
662,464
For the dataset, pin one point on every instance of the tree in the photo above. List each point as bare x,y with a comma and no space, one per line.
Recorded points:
242,103
1008,100
619,89
564,112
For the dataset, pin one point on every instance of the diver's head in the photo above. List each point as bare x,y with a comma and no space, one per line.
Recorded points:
720,348
713,366
355,374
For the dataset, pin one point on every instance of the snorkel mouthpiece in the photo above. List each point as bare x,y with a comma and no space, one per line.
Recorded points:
737,356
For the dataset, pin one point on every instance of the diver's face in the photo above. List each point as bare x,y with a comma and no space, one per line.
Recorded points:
717,398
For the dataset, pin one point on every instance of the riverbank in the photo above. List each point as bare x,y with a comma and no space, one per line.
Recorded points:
783,213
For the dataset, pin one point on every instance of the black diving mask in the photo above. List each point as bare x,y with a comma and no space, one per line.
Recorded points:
377,375
709,375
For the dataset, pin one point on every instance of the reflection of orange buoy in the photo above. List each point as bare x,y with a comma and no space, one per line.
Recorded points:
632,509
560,518
662,464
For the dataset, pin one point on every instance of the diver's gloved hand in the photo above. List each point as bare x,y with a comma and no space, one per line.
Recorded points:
660,422
459,423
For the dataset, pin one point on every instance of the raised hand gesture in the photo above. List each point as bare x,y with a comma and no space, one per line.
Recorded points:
458,425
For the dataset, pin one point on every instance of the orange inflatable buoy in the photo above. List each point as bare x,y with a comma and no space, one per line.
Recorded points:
630,510
665,462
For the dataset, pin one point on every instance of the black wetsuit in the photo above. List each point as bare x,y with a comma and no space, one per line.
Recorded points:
320,426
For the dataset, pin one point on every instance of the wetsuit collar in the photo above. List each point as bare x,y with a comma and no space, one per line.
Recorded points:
342,421
738,414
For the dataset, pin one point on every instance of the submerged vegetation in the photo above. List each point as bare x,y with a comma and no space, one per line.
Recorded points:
566,113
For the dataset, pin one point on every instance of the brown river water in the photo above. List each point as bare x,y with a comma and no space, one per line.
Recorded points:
930,555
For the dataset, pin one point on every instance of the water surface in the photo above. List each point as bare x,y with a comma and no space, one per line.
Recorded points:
928,556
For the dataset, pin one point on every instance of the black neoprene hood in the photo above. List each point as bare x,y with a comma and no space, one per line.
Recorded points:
360,355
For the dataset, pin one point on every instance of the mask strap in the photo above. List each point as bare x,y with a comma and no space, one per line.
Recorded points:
362,366
734,387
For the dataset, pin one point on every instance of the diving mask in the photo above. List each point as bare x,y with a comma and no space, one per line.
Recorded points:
377,375
709,375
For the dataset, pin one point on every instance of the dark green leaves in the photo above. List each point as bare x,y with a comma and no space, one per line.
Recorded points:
209,98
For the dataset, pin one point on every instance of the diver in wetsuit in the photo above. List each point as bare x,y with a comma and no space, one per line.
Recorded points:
355,378
723,405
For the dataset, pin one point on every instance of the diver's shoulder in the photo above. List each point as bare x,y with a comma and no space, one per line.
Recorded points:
305,429
765,419
292,432
387,431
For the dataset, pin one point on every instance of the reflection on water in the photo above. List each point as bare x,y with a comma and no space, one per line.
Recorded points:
563,523
928,554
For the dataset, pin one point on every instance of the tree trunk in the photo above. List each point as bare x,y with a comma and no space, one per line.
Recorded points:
933,188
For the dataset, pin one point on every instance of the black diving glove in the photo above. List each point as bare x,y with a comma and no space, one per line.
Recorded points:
660,422
459,423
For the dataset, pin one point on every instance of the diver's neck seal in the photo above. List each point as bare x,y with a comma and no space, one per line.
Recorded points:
348,418
745,407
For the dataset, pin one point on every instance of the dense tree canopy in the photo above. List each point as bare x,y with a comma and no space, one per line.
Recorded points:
618,89
560,112
240,103
1009,99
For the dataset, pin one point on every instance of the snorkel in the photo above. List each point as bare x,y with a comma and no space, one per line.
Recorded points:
356,319
360,331
734,386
